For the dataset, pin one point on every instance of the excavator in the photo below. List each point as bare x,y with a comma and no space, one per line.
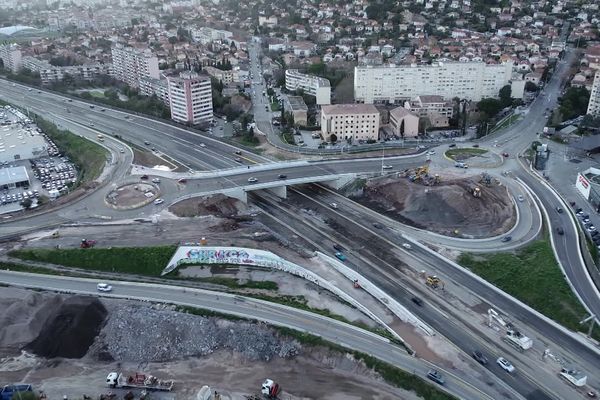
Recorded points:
476,192
434,282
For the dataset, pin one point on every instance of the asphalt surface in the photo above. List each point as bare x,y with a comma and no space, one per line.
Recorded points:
272,313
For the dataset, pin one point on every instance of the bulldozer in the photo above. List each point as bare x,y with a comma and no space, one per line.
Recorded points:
434,282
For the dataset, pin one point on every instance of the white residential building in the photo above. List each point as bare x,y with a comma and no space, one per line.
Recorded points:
310,84
130,64
352,122
11,56
396,83
190,96
50,73
594,103
159,87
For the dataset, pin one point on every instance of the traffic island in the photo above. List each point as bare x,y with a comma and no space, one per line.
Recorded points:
132,195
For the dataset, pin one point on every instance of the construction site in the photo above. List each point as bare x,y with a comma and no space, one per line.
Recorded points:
469,207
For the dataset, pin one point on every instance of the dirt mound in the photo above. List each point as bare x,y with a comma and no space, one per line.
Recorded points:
71,329
218,205
444,208
22,320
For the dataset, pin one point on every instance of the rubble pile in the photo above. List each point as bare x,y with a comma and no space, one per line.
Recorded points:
144,334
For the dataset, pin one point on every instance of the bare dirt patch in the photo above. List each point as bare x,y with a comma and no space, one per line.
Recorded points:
217,205
448,208
132,195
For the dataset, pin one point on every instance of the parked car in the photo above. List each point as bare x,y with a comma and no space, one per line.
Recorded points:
435,376
340,256
104,287
505,365
479,357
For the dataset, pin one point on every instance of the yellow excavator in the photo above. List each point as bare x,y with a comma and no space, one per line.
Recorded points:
434,282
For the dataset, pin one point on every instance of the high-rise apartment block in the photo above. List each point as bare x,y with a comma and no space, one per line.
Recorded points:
594,103
398,83
190,96
310,84
129,64
11,56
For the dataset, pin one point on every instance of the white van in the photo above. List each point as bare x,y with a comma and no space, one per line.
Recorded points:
104,287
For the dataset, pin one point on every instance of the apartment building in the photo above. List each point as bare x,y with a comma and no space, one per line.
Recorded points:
11,56
130,64
435,108
190,97
397,83
225,77
310,84
50,73
159,87
594,103
351,122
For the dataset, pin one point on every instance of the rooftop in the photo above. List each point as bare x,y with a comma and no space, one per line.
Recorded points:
13,175
343,109
297,103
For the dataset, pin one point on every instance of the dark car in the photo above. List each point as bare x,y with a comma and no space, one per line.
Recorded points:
479,357
417,301
595,233
452,145
559,210
239,153
377,225
338,247
476,145
506,239
146,142
144,177
435,376
560,230
282,176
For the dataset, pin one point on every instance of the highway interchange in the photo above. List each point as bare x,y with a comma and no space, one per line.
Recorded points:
186,148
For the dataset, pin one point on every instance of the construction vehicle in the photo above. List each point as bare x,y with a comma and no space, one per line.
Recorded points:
434,282
87,244
512,336
576,378
486,179
138,381
270,389
476,192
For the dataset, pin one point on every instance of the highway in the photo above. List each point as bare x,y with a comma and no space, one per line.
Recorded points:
329,329
380,258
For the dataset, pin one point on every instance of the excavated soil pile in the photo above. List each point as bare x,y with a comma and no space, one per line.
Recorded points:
218,205
71,329
443,208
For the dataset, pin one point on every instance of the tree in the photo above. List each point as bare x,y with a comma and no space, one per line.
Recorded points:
574,103
489,106
26,203
505,96
333,138
530,86
173,39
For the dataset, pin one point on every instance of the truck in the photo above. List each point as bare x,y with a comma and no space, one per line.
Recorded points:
518,340
270,389
576,378
138,381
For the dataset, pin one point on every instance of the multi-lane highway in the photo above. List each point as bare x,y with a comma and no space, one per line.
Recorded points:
273,313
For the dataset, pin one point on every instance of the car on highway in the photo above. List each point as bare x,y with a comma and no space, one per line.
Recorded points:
282,176
435,376
505,154
506,239
122,150
333,205
144,177
338,247
479,357
387,167
252,180
147,143
505,364
340,256
158,201
431,152
520,198
559,210
104,287
377,225
156,180
202,145
407,246
238,152
237,159
560,230
418,301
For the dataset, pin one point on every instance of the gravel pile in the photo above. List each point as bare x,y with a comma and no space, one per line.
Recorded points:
145,334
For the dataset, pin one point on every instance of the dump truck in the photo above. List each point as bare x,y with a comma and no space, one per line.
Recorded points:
138,381
270,389
518,340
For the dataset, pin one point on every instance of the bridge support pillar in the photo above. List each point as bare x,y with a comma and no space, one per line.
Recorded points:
279,191
238,193
340,182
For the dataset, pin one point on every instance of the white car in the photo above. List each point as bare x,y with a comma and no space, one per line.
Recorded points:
431,152
156,180
333,205
505,365
158,201
387,167
202,144
104,287
520,197
407,246
252,180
